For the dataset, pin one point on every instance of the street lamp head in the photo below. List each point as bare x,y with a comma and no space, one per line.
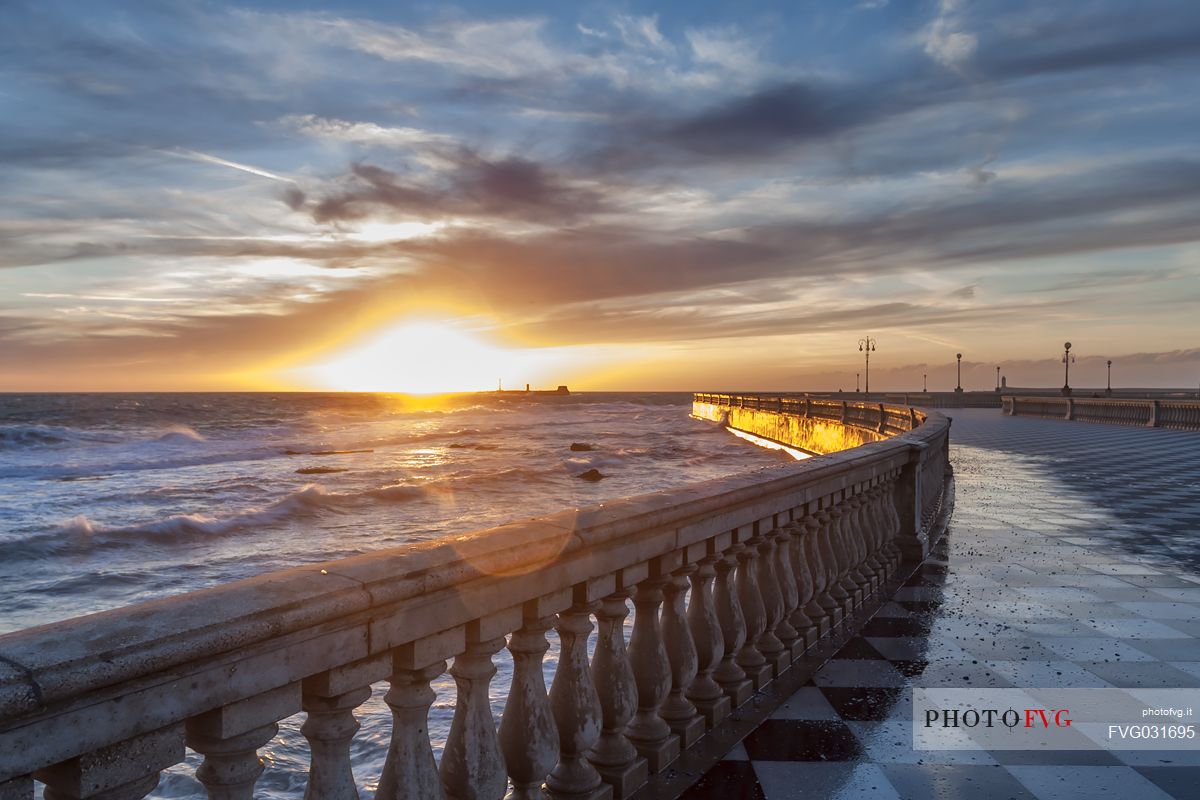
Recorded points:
860,347
1110,362
1066,345
958,356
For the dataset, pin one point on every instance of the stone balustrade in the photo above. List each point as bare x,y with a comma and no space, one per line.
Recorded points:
966,399
1150,413
730,582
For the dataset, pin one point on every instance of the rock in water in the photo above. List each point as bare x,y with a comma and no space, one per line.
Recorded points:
581,447
591,475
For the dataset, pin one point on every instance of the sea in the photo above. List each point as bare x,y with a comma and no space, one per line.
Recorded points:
112,499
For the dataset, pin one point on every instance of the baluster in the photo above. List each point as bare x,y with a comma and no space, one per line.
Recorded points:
839,528
860,573
859,537
833,598
330,728
803,569
613,755
576,708
731,677
818,574
705,693
891,521
128,770
472,765
677,709
876,560
749,658
789,592
410,771
769,643
891,527
881,554
330,698
528,735
871,562
648,731
229,739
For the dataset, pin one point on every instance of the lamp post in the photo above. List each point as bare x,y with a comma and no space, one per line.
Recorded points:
1108,389
1067,360
959,387
865,346
997,379
856,375
924,381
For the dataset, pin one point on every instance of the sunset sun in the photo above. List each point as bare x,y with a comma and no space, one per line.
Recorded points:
427,357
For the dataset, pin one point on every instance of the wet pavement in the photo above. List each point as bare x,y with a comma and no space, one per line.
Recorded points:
1071,561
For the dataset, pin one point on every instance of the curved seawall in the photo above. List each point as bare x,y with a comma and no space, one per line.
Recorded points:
812,435
737,584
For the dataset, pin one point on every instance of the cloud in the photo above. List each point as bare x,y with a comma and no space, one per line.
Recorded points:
366,133
772,118
504,48
1106,47
641,178
641,32
727,49
475,186
980,175
760,126
946,40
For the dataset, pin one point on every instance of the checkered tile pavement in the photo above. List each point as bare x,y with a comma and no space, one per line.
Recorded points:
1072,561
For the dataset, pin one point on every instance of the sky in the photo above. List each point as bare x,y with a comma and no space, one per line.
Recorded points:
616,195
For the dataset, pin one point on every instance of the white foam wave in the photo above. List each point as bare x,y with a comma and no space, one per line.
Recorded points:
81,532
187,526
14,437
179,434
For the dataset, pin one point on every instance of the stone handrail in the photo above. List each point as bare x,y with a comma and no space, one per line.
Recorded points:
803,422
731,580
965,399
1150,413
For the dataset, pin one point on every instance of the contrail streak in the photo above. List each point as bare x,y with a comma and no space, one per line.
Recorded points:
193,155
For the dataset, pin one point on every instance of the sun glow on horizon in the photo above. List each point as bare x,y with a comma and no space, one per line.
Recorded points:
427,357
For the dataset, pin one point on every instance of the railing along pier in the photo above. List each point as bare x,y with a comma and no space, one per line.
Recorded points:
730,581
1181,415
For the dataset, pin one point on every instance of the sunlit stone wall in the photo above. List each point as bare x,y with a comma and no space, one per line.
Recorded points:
813,435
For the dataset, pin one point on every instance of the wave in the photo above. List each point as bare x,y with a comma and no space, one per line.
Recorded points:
179,434
81,533
31,436
189,526
148,454
598,459
307,501
17,437
57,471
